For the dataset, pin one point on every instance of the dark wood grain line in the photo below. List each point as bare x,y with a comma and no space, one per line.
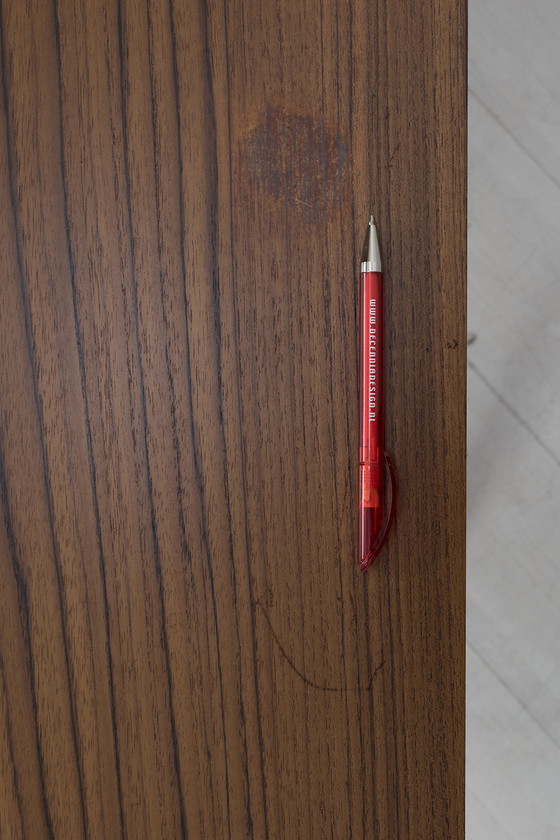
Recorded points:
350,444
292,474
25,617
113,69
215,285
115,80
351,117
8,722
333,437
299,543
299,535
241,441
353,479
391,741
334,449
185,547
89,439
157,554
192,427
42,443
194,436
61,587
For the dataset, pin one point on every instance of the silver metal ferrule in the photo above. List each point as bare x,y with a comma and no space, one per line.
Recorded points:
371,256
366,267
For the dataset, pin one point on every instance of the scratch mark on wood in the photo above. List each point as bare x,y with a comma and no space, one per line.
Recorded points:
309,682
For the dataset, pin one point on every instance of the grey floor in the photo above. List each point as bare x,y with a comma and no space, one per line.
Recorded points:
513,659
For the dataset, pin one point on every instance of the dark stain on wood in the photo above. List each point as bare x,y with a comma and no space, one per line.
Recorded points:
298,159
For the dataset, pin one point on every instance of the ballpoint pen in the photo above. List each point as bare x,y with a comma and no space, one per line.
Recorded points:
374,524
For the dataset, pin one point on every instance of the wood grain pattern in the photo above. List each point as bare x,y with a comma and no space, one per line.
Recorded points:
187,649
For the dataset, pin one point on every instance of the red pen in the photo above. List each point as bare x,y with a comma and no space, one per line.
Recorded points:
374,524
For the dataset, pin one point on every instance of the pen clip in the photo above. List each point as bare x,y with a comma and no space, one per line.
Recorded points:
375,550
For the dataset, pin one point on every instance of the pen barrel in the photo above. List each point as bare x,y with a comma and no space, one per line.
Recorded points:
371,501
371,368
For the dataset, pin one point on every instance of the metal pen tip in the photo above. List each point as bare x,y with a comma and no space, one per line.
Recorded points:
371,258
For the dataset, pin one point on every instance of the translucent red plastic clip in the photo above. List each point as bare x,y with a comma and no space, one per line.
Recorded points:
382,535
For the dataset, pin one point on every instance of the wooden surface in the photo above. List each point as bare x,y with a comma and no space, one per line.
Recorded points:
187,648
514,405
